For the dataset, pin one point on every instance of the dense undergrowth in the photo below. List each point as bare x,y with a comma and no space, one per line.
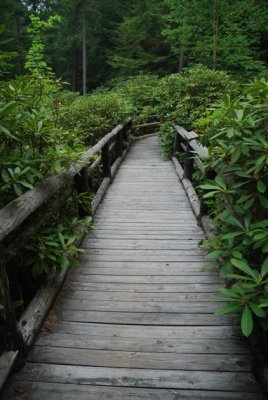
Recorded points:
236,135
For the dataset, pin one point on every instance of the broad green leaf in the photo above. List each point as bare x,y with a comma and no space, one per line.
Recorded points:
243,266
231,309
265,247
234,221
263,201
5,176
210,194
260,224
257,310
246,321
213,255
229,293
239,277
237,254
249,203
63,261
260,236
264,268
226,270
231,235
71,240
8,133
26,184
261,187
8,107
226,100
18,190
239,114
39,125
209,186
236,154
220,181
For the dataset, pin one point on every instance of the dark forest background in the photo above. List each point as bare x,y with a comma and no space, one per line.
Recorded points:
124,38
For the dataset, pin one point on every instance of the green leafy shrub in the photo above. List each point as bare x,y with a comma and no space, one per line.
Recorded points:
142,92
94,115
55,247
236,134
189,96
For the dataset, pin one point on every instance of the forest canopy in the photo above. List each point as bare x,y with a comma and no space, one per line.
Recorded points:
124,38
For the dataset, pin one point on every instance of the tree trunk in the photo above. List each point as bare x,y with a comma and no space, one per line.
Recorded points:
216,33
18,40
74,62
181,61
84,56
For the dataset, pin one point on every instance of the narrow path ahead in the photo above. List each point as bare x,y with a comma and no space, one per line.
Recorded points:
136,320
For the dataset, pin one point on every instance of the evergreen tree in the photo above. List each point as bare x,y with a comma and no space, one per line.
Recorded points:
138,42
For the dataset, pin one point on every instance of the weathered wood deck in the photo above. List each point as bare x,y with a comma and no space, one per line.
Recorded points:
136,321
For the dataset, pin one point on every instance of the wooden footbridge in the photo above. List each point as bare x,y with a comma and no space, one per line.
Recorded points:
136,320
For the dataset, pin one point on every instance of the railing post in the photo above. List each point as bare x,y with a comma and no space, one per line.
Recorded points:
124,135
177,142
10,336
188,163
105,156
119,145
83,184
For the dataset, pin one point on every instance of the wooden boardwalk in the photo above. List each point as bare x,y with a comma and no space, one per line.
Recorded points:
136,320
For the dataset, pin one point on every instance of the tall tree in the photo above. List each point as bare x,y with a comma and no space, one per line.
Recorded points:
220,34
138,42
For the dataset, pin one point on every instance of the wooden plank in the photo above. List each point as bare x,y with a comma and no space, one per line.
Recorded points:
139,306
144,279
201,380
87,269
139,244
124,359
118,286
108,330
142,257
143,268
134,235
58,391
7,361
153,345
147,228
159,319
77,292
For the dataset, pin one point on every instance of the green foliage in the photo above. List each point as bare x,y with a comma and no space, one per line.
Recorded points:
220,34
35,62
138,45
55,247
94,115
142,92
188,97
5,56
236,133
33,144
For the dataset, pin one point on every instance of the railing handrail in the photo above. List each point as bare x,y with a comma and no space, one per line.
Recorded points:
17,211
192,138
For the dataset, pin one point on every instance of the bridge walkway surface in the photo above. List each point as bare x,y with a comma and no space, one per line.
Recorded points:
136,320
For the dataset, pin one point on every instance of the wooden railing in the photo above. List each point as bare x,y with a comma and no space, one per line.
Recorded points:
21,219
194,154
